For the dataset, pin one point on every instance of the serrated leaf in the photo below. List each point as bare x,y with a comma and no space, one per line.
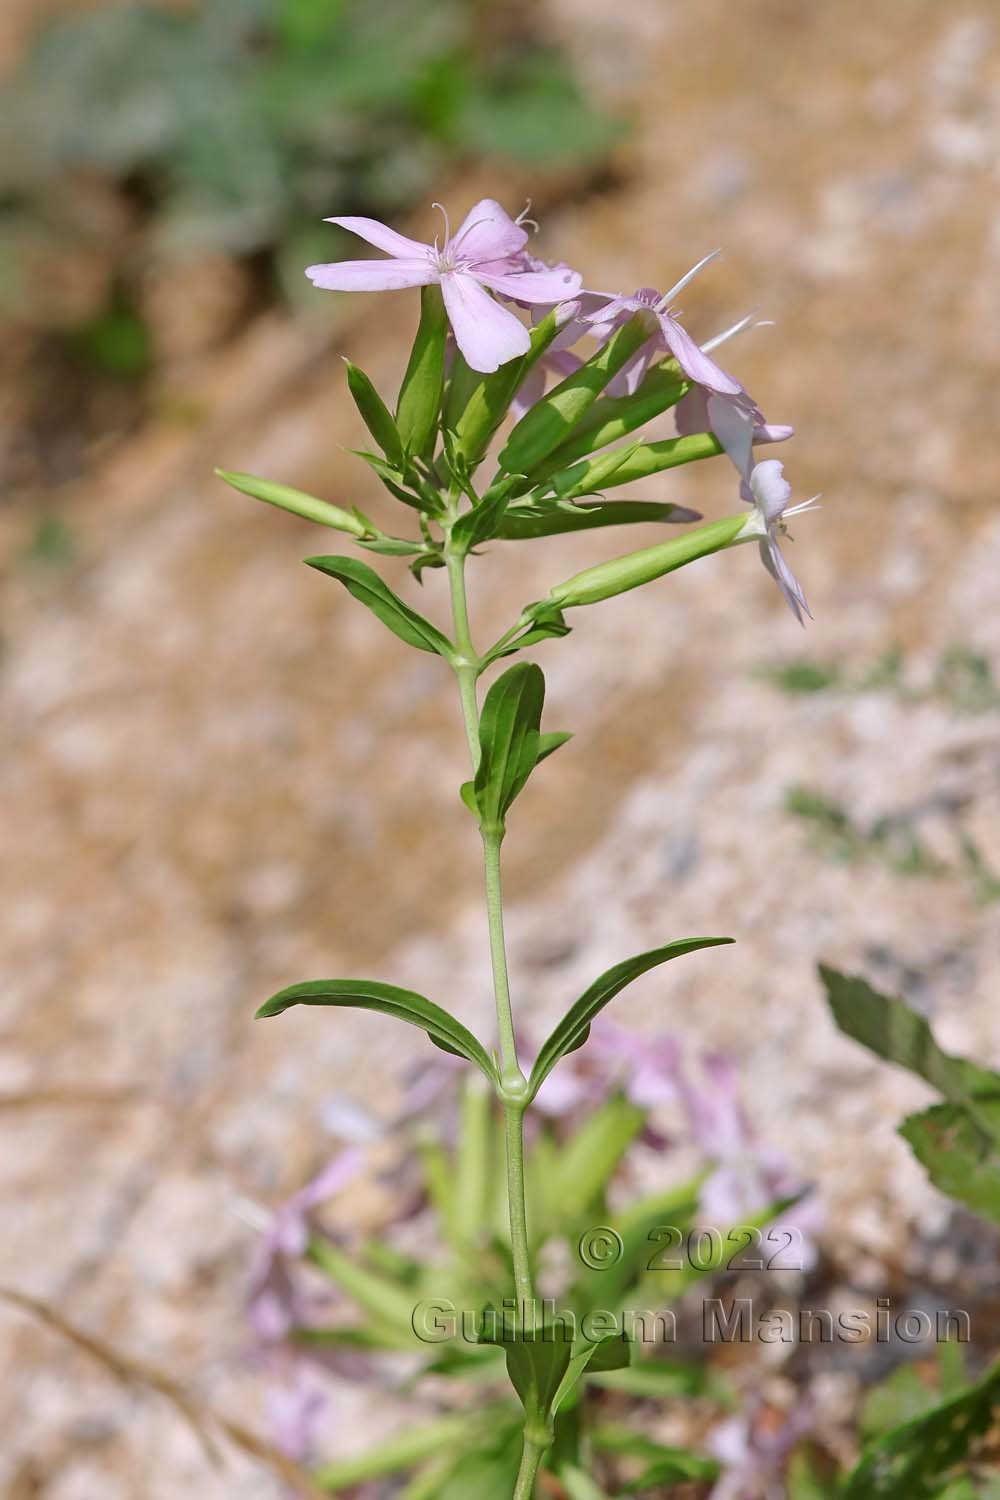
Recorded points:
508,735
376,415
959,1157
423,384
888,1027
573,1029
524,521
366,585
912,1461
444,1029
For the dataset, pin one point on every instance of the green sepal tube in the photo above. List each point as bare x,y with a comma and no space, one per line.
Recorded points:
636,568
638,461
423,384
296,501
376,415
485,404
614,417
551,421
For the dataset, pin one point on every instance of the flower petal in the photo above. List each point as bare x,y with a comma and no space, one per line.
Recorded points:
696,365
733,426
557,285
531,389
381,235
487,334
771,491
774,562
371,275
772,432
488,233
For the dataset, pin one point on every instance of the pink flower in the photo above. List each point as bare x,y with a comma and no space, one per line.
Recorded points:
769,493
668,335
480,258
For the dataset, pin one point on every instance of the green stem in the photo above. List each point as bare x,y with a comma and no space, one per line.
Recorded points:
531,1457
512,1079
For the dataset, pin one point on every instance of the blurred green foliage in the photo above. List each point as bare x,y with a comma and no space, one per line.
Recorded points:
237,125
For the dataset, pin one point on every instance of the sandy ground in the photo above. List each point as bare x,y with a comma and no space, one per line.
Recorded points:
220,776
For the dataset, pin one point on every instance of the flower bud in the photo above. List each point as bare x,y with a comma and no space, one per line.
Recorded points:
636,568
296,501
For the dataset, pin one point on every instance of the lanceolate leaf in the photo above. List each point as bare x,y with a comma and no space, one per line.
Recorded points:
376,415
525,520
365,994
486,402
888,1027
573,1029
365,584
912,1461
508,733
614,417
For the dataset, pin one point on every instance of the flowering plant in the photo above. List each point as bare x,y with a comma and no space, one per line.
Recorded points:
474,361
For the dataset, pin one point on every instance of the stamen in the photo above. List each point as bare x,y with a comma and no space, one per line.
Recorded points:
447,227
803,505
523,219
668,297
748,322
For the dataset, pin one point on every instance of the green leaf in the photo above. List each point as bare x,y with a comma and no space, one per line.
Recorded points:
902,1396
597,1355
401,1452
665,1465
509,740
551,421
654,1380
486,403
960,1159
297,502
387,1301
642,460
888,1027
444,1029
480,524
376,415
366,585
544,624
578,1485
393,480
528,519
537,1358
573,1029
423,384
613,417
912,1461
548,744
589,1159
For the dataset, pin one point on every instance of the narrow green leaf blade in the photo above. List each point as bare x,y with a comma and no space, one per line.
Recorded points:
526,520
444,1029
572,1030
376,415
366,585
509,733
